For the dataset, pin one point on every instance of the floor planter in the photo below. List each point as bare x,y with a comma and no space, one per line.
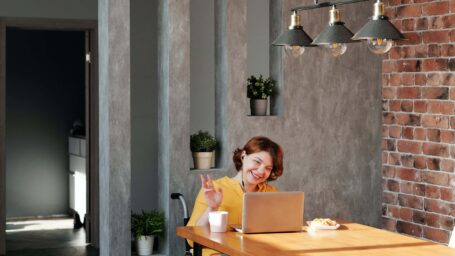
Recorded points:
202,160
258,107
144,245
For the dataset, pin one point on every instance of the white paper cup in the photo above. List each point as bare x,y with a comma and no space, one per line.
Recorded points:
218,221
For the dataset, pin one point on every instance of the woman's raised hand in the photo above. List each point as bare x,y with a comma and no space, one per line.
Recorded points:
212,196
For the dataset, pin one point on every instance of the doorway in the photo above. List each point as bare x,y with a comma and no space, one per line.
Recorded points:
48,84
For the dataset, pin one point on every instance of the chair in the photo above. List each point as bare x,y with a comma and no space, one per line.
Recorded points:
452,239
188,250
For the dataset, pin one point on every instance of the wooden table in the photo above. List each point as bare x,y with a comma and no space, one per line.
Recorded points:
351,239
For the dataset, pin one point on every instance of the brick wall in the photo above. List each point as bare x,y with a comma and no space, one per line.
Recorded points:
418,147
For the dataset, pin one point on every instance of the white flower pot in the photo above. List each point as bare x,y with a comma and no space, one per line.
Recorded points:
202,160
144,245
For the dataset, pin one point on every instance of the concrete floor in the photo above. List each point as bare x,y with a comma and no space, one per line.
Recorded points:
46,238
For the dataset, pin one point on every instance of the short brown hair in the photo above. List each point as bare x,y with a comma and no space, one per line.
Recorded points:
258,144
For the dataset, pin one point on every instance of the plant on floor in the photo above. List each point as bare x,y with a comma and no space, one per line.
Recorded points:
258,90
145,226
202,145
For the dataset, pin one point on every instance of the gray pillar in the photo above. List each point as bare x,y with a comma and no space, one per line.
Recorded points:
174,112
2,143
114,127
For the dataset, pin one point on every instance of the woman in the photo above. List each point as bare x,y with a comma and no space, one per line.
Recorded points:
257,163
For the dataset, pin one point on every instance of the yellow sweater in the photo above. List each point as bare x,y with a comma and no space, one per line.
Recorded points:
232,203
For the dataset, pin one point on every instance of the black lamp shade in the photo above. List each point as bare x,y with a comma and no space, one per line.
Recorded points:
334,33
379,28
294,37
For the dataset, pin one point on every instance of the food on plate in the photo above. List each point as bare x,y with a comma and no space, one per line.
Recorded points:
324,222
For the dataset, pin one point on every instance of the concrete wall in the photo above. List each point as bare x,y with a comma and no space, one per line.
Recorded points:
143,81
330,126
45,94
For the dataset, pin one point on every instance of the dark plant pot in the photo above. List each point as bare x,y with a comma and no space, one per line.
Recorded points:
258,107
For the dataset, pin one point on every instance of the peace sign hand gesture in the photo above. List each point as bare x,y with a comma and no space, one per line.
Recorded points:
212,196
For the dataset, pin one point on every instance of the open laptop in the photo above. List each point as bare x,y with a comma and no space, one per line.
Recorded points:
272,212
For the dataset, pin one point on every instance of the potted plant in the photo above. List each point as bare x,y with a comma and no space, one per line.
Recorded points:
145,226
202,145
258,90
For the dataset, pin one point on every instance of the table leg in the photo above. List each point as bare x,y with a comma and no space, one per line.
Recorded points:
197,249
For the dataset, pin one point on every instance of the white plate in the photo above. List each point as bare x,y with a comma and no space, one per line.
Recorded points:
322,227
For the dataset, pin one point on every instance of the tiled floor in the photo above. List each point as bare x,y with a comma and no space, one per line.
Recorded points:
46,238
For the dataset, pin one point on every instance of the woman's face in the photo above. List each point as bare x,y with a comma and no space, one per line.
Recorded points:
257,167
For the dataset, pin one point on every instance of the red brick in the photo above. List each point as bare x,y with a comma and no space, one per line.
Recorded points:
452,6
452,122
406,214
440,93
432,192
385,157
434,135
447,136
446,222
435,149
410,201
420,106
422,23
452,36
438,235
394,159
435,37
449,79
408,174
407,119
388,171
420,79
407,160
409,66
435,65
433,164
432,220
389,66
389,224
409,147
433,50
408,11
388,118
408,133
447,108
409,228
452,153
436,23
395,105
395,53
435,178
407,79
447,194
409,51
420,134
406,187
420,162
408,25
452,94
451,64
447,165
418,217
449,21
432,205
388,93
434,107
393,185
435,8
389,197
393,211
407,106
395,132
435,79
435,121
395,79
447,50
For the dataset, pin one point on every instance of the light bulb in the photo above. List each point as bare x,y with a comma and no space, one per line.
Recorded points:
337,49
379,45
295,50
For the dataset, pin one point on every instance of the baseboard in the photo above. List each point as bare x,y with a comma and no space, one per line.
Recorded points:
50,217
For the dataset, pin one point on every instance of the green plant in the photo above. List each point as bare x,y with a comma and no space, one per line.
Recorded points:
259,88
147,223
202,141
